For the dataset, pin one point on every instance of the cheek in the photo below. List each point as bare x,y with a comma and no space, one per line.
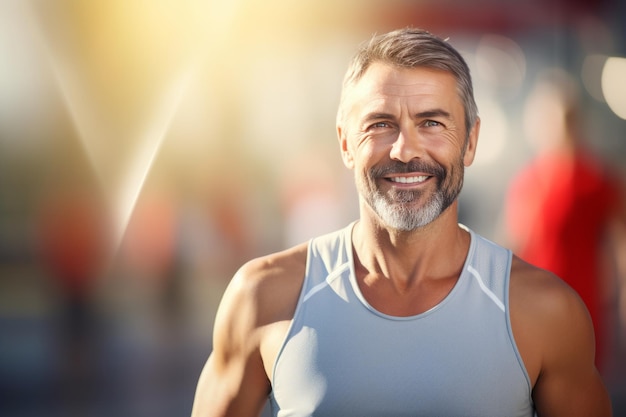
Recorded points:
449,147
362,167
363,155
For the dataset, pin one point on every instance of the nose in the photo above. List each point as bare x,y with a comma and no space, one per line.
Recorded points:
407,146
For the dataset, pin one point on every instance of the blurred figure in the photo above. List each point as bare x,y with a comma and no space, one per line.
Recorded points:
72,237
565,205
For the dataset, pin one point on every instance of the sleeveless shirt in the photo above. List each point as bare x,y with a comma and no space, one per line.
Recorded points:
342,358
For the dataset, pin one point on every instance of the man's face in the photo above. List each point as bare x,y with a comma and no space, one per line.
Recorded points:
403,134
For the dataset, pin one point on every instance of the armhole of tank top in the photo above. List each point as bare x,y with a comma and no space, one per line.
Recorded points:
303,290
509,327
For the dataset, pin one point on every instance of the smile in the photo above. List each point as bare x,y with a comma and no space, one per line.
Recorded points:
409,180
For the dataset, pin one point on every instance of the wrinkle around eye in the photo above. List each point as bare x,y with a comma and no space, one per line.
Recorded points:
380,125
433,123
377,128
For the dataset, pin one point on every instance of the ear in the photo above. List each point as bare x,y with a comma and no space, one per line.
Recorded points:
346,155
472,143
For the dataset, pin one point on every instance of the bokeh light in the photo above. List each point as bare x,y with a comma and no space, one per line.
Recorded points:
614,86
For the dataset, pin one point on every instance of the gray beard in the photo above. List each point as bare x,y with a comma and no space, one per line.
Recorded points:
396,210
400,216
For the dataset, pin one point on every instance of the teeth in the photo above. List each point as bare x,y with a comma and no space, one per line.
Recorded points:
409,180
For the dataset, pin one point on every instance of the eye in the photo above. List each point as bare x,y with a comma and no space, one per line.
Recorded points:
379,125
432,123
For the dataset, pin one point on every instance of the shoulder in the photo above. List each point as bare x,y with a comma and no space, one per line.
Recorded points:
548,317
554,335
540,289
268,286
234,381
541,297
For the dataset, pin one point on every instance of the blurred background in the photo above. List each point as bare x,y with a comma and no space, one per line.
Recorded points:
150,147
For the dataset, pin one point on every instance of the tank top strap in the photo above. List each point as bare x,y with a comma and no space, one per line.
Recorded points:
488,263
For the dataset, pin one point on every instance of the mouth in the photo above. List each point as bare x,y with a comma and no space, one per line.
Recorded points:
415,179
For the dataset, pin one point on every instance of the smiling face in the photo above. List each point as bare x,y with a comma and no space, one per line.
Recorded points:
403,134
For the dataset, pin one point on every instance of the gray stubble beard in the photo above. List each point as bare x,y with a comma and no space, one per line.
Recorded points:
395,210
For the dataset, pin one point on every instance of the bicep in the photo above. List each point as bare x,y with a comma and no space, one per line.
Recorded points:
569,383
571,393
233,381
229,389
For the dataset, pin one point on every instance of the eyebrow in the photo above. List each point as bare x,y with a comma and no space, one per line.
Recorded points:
433,113
377,116
421,115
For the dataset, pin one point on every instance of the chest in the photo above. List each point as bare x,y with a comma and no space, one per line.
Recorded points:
342,358
384,297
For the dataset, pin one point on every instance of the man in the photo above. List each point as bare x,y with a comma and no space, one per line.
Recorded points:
564,211
404,312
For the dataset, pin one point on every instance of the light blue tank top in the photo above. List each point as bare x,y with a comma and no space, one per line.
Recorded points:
343,358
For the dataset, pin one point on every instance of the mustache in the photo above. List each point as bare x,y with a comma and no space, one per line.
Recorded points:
397,167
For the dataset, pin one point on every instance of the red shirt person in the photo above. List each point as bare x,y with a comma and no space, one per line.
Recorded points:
560,207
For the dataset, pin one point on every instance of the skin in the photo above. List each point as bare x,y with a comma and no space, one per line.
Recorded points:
397,114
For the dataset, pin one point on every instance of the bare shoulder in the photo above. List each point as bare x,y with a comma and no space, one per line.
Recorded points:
542,306
555,337
271,284
541,293
260,298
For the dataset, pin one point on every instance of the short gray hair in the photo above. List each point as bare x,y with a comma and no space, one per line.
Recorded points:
410,48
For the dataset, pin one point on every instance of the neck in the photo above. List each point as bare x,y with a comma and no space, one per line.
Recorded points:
437,250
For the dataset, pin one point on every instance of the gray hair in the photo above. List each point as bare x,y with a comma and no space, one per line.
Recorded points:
410,48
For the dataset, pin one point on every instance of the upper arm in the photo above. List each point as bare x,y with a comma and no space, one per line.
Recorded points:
568,383
255,310
233,381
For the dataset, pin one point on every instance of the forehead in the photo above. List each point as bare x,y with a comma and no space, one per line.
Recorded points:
401,80
386,84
